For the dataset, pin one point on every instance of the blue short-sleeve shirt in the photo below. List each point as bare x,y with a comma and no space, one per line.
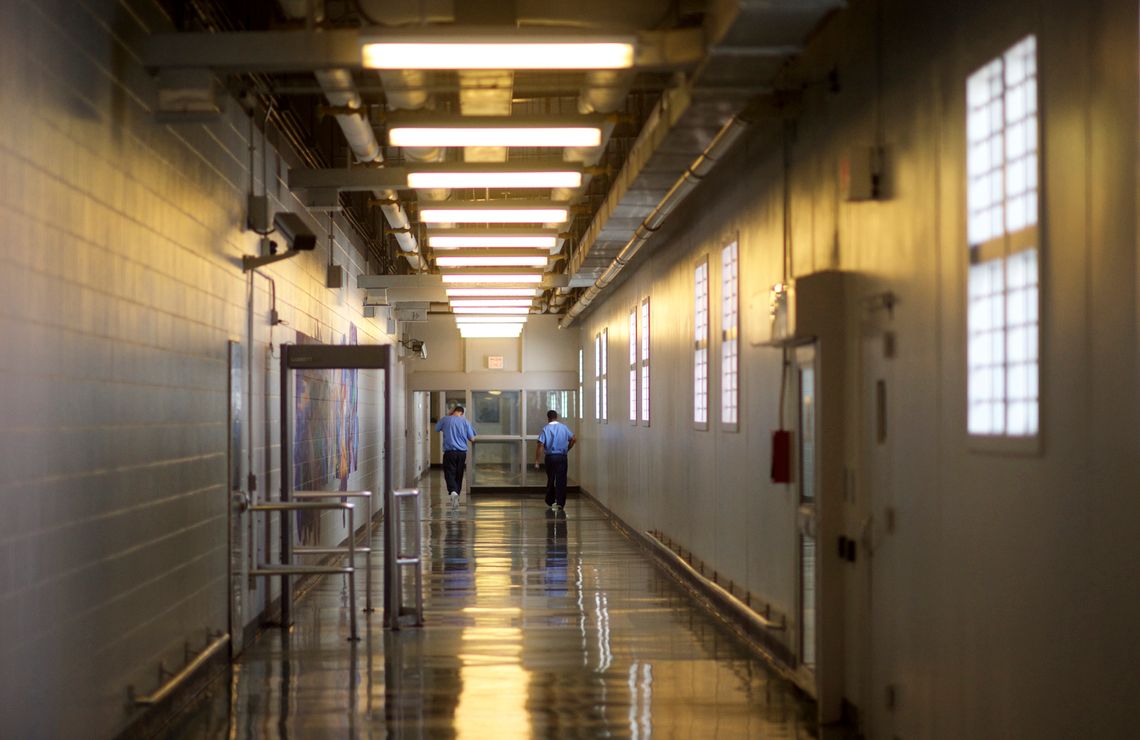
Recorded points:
456,431
555,438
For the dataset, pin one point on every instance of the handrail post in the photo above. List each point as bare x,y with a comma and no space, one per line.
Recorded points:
352,573
391,571
286,476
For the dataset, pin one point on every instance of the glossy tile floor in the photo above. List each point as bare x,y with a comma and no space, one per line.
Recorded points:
536,625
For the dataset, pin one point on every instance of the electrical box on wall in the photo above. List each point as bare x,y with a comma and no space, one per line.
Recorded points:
800,310
410,312
859,173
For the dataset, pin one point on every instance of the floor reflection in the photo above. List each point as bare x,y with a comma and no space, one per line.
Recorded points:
538,624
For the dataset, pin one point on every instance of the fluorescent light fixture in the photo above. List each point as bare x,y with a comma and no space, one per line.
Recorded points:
497,215
536,179
473,319
533,136
490,331
492,310
498,53
509,241
491,292
488,302
466,277
491,261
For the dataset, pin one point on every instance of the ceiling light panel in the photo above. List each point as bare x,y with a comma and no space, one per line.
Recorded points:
492,310
492,292
535,179
495,215
537,241
490,302
530,136
469,278
490,331
498,53
491,261
477,319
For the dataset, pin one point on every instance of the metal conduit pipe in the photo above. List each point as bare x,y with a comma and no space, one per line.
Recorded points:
724,139
340,91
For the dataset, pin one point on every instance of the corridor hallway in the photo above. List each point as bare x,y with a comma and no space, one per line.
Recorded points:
536,625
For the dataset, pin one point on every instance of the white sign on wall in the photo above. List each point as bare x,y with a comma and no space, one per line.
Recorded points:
495,362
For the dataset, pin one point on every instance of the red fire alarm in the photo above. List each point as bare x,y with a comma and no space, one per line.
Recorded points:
781,456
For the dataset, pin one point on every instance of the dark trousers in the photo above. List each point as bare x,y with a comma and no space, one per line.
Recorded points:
454,463
556,466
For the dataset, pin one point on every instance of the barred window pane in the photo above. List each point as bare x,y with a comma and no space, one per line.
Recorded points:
1002,203
701,343
729,347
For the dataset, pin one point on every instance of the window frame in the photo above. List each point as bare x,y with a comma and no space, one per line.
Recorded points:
645,317
633,395
1001,248
734,425
701,305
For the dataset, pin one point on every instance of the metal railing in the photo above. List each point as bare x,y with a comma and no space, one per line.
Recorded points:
194,661
764,621
366,551
288,568
396,557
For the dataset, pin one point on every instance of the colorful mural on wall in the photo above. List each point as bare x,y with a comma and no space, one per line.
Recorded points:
326,424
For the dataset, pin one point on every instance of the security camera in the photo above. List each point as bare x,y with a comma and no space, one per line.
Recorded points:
416,346
297,234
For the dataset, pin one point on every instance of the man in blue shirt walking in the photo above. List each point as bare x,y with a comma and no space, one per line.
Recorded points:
557,439
457,432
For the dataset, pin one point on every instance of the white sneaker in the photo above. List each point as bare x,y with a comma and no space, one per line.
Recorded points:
454,498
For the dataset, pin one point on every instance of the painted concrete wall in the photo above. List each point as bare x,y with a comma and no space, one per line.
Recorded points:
1002,602
120,286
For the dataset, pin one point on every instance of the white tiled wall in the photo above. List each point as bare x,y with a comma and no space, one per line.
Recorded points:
120,286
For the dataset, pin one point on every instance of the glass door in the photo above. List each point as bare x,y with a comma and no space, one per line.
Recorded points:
808,514
498,451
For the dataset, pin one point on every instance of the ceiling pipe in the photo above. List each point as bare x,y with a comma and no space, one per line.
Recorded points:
340,91
406,89
704,162
603,91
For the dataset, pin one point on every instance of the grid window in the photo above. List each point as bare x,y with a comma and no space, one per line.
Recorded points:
633,365
1003,283
598,377
605,375
729,345
581,378
645,360
701,344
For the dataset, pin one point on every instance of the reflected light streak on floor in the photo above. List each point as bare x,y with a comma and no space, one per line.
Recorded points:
537,625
